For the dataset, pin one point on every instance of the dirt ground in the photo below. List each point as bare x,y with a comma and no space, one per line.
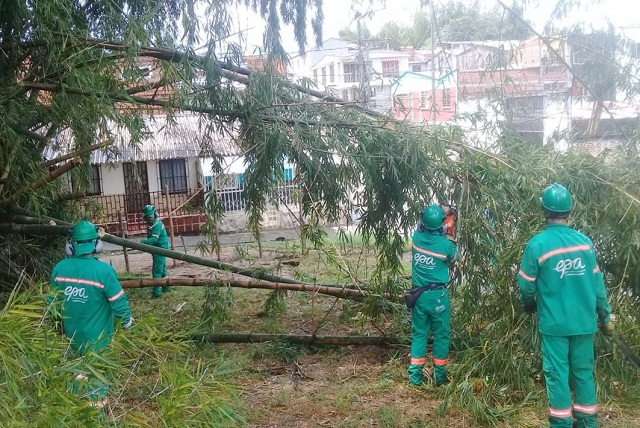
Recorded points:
317,387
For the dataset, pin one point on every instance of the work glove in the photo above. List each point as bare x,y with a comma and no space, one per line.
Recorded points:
530,307
128,325
607,328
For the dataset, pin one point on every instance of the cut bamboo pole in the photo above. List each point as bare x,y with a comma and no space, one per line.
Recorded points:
171,235
62,228
49,176
82,151
198,282
123,234
303,339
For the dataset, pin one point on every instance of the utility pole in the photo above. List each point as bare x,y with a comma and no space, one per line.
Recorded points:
361,65
433,63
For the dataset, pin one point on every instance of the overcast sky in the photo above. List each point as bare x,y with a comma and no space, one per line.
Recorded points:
339,14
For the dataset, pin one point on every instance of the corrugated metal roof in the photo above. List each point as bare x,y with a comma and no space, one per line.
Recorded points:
181,136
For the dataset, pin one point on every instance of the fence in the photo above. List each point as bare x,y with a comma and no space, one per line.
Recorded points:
187,208
230,190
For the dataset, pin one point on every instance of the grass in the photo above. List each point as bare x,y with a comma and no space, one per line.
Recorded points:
286,385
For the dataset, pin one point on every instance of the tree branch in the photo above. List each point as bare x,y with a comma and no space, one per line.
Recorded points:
335,290
79,152
50,176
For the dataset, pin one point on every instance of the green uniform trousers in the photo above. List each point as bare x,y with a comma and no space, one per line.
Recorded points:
432,312
159,270
570,359
90,387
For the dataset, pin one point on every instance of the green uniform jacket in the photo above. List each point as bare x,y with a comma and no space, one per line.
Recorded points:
156,235
430,258
91,296
559,269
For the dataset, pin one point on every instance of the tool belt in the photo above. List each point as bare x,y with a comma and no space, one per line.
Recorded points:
414,294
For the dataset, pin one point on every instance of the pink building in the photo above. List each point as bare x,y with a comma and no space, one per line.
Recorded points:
414,99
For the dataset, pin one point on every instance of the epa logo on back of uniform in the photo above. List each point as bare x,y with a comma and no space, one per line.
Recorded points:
570,267
424,260
75,294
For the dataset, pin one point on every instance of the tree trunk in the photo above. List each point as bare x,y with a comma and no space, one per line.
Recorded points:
303,339
62,228
336,291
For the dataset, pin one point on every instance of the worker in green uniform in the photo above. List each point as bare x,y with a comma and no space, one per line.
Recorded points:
88,295
560,279
156,236
432,254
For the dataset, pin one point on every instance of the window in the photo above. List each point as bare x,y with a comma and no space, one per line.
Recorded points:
446,98
390,68
323,74
95,186
635,50
345,95
315,75
332,74
173,173
350,73
416,68
424,100
578,57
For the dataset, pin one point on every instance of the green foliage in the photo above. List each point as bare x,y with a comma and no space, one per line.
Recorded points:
216,307
38,368
276,303
455,21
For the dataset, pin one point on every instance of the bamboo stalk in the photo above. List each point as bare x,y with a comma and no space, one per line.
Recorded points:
123,234
62,228
49,176
335,291
171,235
97,146
296,338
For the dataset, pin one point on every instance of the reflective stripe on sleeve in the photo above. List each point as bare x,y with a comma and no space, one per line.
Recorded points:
597,269
587,410
78,281
564,250
525,276
431,253
560,413
115,297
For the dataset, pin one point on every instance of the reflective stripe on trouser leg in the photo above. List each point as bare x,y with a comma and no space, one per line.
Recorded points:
419,333
441,324
555,362
158,270
581,357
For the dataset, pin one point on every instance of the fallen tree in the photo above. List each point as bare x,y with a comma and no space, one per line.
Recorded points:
62,229
221,282
302,339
